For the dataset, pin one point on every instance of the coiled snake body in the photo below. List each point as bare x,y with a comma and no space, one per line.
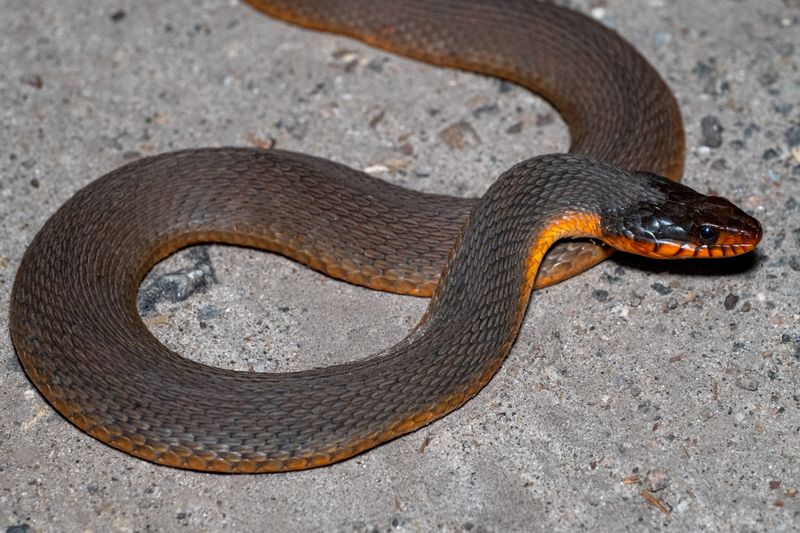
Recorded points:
81,341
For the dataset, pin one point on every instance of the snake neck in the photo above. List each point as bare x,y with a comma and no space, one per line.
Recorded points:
487,282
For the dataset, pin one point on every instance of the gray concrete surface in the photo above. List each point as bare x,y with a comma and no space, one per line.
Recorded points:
632,374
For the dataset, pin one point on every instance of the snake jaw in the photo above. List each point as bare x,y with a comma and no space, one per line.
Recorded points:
669,249
685,250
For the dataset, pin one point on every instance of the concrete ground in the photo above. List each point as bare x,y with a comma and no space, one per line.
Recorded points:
677,379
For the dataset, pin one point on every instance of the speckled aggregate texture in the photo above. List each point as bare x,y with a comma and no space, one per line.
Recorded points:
679,380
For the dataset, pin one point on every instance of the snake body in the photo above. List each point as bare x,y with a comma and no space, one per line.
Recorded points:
81,341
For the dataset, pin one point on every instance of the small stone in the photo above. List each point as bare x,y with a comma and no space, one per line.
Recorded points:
672,303
730,301
397,165
661,38
715,86
774,484
376,169
635,300
702,70
711,131
376,64
422,172
656,479
751,129
769,153
34,80
786,50
179,285
793,136
459,135
488,109
600,295
598,13
747,383
783,108
406,149
660,288
544,119
117,16
768,78
377,119
719,165
645,407
515,128
505,87
778,238
208,312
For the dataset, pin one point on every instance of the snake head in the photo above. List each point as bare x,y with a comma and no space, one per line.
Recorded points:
672,221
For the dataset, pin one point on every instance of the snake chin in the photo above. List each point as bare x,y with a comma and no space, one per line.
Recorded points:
665,249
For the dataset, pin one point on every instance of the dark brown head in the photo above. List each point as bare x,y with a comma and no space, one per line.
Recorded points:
678,222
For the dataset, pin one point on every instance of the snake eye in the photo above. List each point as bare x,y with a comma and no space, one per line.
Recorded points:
708,234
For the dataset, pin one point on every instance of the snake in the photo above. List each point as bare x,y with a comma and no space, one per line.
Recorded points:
82,343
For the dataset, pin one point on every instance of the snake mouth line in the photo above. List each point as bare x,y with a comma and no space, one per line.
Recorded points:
674,250
668,249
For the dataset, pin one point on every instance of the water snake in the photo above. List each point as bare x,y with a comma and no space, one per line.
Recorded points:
81,341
